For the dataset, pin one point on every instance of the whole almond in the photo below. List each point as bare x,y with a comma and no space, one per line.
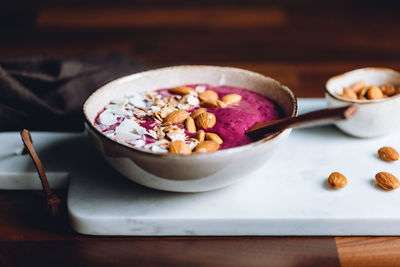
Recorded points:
387,181
349,93
179,148
337,180
200,135
190,125
358,86
374,92
207,147
388,89
182,90
178,116
206,120
214,137
197,112
231,99
208,96
362,94
388,153
209,104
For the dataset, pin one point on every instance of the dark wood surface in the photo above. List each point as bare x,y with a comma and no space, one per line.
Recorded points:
300,43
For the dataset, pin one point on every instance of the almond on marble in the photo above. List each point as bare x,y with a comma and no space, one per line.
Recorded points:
388,153
337,180
387,181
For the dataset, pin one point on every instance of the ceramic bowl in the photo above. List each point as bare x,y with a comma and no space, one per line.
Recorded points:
197,172
374,117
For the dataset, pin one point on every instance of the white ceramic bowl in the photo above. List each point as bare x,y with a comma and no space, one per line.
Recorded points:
374,117
197,172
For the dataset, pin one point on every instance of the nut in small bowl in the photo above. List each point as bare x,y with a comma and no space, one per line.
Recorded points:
377,114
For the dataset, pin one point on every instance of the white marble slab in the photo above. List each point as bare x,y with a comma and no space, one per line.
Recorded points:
288,196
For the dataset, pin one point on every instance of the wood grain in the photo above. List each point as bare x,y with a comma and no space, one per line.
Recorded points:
188,17
368,251
299,43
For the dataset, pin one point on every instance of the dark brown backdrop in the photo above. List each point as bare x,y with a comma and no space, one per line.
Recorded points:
300,43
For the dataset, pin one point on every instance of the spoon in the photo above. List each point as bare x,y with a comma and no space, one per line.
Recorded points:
315,118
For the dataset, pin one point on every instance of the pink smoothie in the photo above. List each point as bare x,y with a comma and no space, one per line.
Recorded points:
233,121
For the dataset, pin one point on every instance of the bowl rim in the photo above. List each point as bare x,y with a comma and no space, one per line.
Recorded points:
361,102
144,152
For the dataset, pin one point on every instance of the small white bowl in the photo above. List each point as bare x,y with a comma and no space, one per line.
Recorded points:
374,117
197,172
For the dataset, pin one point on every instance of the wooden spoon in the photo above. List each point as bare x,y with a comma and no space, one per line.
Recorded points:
315,118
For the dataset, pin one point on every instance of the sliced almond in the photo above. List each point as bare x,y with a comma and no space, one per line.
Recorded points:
374,92
214,137
231,99
190,125
197,112
358,86
178,116
157,116
387,181
207,147
200,135
208,96
173,101
206,120
388,153
337,180
179,148
182,90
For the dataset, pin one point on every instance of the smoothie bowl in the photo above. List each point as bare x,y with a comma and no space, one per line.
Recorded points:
183,128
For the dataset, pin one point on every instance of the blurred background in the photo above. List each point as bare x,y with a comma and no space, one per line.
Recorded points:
299,43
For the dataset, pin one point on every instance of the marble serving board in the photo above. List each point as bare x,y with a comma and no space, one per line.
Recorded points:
288,196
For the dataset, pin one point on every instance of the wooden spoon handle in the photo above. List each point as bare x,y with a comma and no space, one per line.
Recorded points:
319,117
53,201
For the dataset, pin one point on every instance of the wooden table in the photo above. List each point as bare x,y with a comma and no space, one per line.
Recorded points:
301,45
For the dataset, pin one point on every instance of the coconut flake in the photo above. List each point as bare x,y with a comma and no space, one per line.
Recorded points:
107,118
200,88
137,100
